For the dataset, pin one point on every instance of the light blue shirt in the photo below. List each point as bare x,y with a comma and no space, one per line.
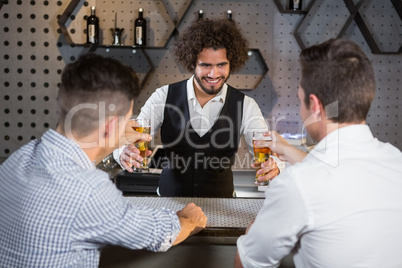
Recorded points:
58,210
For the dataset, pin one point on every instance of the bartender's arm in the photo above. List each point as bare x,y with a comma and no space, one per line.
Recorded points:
153,109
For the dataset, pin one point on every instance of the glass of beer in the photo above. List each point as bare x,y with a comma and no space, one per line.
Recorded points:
142,126
261,154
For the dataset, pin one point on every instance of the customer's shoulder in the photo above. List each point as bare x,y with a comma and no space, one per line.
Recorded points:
25,153
387,148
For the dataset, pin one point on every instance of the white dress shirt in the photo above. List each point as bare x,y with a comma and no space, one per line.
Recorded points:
340,207
202,118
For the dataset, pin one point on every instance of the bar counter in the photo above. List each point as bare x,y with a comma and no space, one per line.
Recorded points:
227,217
214,247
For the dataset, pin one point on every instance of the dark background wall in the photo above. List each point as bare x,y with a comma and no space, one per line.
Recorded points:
33,53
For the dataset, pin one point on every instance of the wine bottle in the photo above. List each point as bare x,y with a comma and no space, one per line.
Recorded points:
93,28
295,4
229,13
140,26
200,14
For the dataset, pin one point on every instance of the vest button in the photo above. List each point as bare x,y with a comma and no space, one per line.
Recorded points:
195,184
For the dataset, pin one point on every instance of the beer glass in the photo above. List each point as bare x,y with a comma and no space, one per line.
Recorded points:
142,126
261,154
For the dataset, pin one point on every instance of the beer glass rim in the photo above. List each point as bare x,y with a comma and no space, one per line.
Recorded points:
141,121
260,135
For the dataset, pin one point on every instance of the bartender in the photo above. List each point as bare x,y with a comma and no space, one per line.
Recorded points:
202,119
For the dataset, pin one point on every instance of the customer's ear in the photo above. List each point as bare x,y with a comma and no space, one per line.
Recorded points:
315,103
111,127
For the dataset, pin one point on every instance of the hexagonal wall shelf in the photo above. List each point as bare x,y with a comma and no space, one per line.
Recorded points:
351,12
250,76
160,26
371,35
160,31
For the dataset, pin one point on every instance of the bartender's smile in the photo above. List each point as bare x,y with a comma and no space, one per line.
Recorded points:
214,81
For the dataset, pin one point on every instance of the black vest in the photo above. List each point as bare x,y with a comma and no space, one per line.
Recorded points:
194,165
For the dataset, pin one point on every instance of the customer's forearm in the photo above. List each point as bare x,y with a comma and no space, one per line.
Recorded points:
293,155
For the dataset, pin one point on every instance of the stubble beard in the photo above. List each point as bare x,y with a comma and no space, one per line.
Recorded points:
213,90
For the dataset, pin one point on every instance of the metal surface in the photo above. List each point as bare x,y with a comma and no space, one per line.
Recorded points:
221,212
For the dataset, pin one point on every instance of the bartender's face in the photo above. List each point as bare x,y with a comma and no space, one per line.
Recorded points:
211,70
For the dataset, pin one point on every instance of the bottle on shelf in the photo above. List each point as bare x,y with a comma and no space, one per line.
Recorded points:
140,26
117,33
229,15
93,28
200,14
295,4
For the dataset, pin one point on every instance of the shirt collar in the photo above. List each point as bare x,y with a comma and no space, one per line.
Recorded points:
327,150
221,96
63,145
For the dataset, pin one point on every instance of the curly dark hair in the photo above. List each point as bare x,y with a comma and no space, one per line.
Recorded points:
216,34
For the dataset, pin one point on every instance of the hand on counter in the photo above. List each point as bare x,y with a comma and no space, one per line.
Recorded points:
131,157
192,220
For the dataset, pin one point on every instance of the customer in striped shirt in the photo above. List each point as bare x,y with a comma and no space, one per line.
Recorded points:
57,209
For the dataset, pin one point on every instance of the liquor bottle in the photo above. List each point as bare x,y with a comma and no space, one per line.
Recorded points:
93,28
230,15
295,4
140,26
200,14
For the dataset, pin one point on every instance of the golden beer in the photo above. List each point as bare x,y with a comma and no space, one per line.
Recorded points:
261,154
143,147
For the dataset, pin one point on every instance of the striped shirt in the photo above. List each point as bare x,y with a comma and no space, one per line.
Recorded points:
58,210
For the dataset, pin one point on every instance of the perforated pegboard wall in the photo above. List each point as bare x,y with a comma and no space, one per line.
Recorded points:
33,53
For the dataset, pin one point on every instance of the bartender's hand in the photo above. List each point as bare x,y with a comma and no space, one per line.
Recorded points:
269,170
192,221
131,156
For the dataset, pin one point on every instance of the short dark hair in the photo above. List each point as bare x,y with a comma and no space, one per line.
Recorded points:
216,34
339,71
90,83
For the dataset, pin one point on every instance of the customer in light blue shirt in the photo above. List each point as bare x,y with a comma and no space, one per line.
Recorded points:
57,209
